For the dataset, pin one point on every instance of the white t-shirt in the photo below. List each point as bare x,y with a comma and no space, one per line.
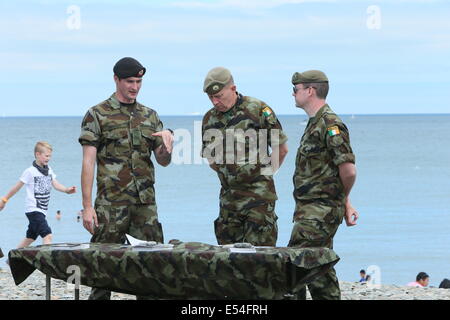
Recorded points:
38,189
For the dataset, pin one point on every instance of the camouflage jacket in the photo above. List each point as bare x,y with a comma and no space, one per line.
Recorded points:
123,138
324,146
242,161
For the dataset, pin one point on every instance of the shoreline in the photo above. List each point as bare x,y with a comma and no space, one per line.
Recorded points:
33,288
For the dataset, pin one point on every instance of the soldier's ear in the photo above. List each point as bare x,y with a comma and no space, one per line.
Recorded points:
116,79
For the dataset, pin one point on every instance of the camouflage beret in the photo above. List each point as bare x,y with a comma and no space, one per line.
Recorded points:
216,79
311,76
128,67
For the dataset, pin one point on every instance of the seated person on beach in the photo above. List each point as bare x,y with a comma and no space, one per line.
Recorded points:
445,284
422,280
39,179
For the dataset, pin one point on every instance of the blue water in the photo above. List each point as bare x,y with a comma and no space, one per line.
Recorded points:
402,191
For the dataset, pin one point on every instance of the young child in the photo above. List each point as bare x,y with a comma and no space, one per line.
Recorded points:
39,179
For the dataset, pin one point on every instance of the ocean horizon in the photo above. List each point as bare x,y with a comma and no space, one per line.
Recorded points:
278,114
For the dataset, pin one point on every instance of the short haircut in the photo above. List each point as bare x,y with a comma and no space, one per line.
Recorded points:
322,88
422,276
230,82
362,271
41,145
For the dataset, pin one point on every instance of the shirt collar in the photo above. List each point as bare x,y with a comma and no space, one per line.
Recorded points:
319,113
115,104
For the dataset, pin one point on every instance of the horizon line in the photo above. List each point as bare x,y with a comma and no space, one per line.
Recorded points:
201,115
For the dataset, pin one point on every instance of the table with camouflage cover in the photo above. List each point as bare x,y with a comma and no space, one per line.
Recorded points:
190,270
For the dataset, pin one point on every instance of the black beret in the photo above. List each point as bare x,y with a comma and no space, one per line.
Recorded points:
128,67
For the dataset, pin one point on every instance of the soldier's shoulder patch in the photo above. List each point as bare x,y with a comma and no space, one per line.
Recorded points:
267,111
333,131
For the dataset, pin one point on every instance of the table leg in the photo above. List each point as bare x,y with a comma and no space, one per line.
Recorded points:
48,285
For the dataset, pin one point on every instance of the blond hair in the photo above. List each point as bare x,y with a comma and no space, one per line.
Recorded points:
41,145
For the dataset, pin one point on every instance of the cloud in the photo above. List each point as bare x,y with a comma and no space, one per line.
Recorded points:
31,38
247,4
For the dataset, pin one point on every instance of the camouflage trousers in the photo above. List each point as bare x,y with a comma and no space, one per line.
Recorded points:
139,221
315,225
257,225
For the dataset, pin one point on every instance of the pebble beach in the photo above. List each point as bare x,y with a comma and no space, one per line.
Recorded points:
33,288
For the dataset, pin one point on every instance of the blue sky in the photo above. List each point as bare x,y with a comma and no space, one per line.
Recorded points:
380,56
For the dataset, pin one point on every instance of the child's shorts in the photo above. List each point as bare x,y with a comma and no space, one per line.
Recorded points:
38,225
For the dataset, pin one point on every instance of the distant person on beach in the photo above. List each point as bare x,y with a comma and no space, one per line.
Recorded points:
38,180
324,175
79,215
119,135
422,280
247,197
58,215
445,284
363,277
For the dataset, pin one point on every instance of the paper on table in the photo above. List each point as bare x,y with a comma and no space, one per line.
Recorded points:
137,242
242,250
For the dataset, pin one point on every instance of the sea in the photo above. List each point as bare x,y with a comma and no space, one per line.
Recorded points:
401,192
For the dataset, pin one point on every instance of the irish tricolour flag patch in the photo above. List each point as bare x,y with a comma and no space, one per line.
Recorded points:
332,131
267,111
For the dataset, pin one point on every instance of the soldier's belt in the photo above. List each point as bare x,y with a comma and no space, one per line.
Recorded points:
189,270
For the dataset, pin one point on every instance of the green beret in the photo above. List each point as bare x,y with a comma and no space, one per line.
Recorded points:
128,67
216,79
311,76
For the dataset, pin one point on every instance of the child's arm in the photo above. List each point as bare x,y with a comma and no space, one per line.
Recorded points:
11,193
58,186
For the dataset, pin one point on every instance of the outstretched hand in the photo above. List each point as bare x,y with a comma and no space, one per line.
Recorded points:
71,190
167,138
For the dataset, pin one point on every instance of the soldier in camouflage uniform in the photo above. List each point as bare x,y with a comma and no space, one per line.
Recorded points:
119,135
324,175
245,170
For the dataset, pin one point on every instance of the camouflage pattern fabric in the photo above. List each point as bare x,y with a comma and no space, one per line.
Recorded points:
139,221
316,233
125,201
241,168
319,193
243,182
189,270
257,225
324,146
124,142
